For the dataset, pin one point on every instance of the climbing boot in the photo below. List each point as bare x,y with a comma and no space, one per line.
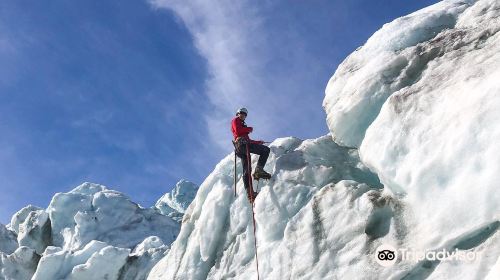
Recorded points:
260,173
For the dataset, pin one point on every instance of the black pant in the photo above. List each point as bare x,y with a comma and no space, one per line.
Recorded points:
261,150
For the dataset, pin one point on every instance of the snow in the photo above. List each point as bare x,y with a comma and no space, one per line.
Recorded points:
175,203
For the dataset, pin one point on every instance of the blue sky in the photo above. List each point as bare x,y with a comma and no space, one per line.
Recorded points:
138,94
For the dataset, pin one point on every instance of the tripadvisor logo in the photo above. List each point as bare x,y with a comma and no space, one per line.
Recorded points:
386,255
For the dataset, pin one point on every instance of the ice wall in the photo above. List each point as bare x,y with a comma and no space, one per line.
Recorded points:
321,203
421,99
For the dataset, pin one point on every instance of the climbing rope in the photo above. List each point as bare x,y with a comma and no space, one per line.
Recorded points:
249,170
235,174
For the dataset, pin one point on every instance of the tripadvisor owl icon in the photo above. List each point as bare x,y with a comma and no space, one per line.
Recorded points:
386,255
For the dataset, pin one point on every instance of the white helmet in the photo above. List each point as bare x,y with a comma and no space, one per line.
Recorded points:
242,110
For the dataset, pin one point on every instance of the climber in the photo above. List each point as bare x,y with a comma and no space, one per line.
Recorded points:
242,142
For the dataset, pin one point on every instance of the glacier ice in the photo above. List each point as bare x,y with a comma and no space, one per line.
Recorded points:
420,99
97,260
495,271
385,64
19,265
143,258
35,230
216,238
480,269
92,212
410,161
31,228
175,203
20,216
8,240
90,232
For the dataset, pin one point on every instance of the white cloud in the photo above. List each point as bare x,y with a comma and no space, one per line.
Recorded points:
239,47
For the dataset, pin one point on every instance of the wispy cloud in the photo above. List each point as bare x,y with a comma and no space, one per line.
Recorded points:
250,65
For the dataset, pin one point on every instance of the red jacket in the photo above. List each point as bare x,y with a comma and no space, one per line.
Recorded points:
240,129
